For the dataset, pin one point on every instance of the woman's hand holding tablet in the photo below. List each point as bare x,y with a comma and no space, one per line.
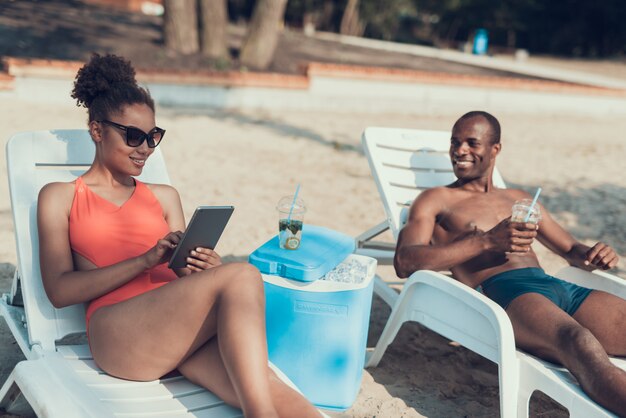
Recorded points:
204,231
203,259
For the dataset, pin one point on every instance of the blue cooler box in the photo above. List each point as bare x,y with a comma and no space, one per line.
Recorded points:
317,334
317,330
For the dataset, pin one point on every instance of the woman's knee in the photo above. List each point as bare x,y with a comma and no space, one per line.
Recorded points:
238,279
244,278
246,274
248,270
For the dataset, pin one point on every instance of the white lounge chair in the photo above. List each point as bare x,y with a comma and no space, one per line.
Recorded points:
63,380
404,162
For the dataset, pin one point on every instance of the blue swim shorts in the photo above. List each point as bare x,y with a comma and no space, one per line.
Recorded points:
504,287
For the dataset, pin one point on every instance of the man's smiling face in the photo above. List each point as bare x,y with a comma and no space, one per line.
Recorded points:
472,150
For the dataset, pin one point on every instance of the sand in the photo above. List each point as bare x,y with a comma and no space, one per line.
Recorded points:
250,159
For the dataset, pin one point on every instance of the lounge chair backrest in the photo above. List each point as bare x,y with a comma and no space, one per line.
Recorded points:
406,162
33,160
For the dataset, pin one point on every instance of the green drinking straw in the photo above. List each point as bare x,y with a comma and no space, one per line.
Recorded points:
532,205
295,196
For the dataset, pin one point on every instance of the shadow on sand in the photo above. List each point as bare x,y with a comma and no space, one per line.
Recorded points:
274,125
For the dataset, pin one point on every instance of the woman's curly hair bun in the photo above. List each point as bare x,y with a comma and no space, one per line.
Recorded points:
98,77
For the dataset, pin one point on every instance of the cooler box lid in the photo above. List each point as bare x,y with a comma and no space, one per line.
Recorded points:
321,249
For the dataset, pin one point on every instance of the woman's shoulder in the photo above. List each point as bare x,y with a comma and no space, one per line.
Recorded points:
165,193
57,194
164,190
58,188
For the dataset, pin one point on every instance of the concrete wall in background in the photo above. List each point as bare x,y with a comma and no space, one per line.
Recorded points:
340,94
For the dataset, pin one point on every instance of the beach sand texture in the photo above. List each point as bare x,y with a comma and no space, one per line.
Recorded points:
250,159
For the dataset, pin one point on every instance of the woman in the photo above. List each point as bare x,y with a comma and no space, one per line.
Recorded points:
104,239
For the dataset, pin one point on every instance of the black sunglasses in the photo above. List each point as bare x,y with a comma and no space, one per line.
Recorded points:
134,136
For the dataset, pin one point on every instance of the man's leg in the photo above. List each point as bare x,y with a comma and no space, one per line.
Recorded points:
605,316
544,330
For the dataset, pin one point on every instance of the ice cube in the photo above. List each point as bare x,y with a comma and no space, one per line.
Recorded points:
352,271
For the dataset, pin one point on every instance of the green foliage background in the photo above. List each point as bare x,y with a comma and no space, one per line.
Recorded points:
589,28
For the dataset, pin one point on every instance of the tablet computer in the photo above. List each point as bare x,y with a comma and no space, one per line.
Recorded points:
204,230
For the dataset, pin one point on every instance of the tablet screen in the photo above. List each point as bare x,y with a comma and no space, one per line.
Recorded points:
204,230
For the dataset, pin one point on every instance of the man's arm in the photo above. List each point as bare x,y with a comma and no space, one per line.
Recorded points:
561,242
415,252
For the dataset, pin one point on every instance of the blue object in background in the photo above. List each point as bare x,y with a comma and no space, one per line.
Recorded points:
481,42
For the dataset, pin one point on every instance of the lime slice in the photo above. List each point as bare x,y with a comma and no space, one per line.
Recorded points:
292,243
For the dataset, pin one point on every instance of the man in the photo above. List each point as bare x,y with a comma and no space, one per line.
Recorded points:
466,228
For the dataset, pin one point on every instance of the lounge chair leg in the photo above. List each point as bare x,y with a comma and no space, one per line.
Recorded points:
395,321
15,297
523,400
13,401
386,293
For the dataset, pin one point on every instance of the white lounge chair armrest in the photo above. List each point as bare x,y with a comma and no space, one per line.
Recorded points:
461,314
597,279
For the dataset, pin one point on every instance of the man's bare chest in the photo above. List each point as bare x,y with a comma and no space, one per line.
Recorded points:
480,212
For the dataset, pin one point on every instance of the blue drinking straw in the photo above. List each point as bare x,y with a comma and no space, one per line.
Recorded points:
295,196
532,205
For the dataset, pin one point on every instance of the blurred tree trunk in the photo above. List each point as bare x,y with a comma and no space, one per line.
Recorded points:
325,21
214,17
350,22
258,48
180,23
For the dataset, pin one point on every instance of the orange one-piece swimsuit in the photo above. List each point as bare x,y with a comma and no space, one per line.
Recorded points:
106,234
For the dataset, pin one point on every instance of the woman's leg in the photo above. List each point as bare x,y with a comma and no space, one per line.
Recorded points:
206,368
151,334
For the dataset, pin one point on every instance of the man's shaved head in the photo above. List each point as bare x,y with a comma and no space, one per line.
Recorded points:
491,120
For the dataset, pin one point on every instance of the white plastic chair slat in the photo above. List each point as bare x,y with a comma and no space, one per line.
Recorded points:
416,160
150,405
95,379
410,178
61,166
409,139
403,196
75,352
397,191
44,176
85,366
220,412
160,389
